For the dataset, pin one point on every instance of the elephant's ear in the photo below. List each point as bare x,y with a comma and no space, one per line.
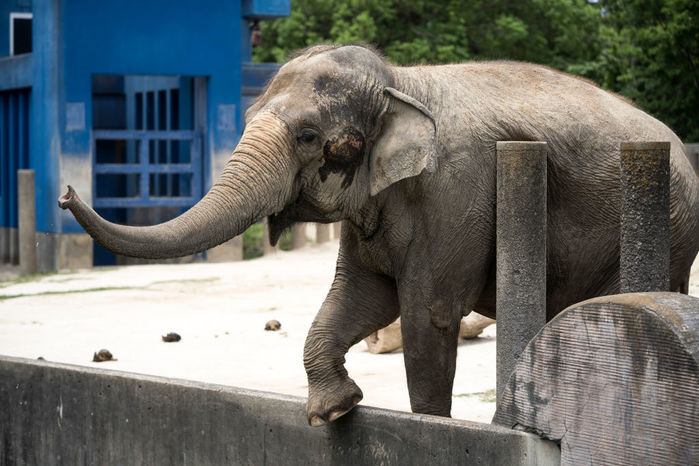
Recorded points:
406,145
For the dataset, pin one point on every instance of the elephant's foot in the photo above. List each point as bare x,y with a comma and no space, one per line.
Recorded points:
329,403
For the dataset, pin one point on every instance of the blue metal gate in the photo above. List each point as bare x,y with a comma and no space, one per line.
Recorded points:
14,154
151,163
147,149
162,175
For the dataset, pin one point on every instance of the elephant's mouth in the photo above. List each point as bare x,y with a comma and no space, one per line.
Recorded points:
300,210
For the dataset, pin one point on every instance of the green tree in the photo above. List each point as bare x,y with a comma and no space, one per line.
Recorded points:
650,54
432,31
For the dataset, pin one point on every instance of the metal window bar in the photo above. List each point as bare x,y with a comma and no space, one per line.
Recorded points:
145,167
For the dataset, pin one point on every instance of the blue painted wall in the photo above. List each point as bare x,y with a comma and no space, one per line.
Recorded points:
47,99
266,9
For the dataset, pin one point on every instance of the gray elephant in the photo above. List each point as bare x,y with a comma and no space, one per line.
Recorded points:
405,156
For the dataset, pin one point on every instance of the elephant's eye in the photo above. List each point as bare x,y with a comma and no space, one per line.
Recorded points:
307,136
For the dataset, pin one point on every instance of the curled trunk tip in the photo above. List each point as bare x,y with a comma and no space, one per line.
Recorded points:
66,200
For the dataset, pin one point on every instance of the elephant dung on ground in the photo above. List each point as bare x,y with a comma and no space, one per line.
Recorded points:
405,156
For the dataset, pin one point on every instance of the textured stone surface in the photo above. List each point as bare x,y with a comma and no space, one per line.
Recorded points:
520,250
645,217
614,379
59,414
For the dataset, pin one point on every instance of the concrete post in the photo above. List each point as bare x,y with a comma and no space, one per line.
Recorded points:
693,153
322,233
26,200
298,236
520,251
644,263
266,247
231,250
337,228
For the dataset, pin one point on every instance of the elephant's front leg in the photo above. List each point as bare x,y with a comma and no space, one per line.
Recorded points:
359,303
430,329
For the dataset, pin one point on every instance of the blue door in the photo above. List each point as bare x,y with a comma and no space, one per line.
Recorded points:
14,155
148,153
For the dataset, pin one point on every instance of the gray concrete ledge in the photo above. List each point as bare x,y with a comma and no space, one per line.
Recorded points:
60,414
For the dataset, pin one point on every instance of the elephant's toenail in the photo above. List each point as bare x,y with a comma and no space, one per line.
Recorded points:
317,421
336,414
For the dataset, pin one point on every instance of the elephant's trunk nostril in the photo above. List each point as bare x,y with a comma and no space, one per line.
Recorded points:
65,201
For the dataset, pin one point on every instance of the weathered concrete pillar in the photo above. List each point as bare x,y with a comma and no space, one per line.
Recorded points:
520,250
4,245
644,263
26,200
693,153
322,233
337,228
231,250
298,236
266,247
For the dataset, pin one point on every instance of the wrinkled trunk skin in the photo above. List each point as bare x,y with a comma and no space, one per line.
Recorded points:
257,181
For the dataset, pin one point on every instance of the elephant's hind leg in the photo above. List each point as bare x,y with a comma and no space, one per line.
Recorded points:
430,328
359,303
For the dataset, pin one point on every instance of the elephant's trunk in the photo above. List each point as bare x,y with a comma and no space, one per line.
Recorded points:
256,181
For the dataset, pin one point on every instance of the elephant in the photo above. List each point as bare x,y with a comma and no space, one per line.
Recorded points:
405,157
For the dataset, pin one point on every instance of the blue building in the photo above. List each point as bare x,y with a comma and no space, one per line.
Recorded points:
137,104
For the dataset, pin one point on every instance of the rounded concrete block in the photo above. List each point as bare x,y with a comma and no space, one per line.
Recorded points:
614,380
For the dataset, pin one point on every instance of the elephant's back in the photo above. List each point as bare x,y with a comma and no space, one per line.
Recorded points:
583,126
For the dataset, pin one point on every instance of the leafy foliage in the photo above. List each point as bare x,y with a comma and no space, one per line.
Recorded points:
253,241
646,50
650,54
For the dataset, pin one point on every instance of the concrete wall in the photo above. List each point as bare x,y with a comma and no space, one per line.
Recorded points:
60,414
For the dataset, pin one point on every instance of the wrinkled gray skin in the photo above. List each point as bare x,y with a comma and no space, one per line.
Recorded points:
406,157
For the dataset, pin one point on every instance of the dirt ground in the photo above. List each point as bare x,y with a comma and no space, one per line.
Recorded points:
220,311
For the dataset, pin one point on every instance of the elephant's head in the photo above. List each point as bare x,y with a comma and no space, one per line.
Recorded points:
329,133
